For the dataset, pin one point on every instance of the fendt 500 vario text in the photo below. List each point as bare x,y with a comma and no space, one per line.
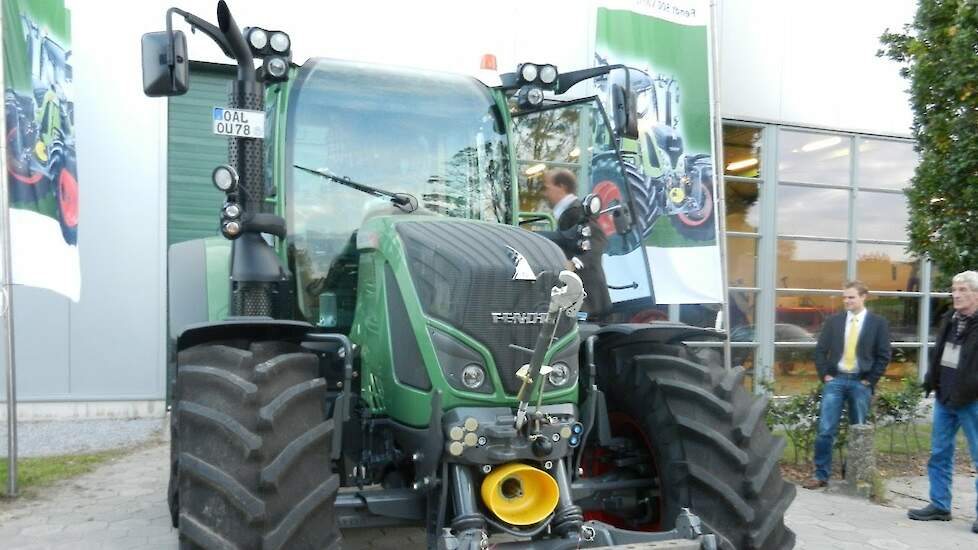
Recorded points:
378,339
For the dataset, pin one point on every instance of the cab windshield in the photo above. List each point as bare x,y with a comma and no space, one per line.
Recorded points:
435,136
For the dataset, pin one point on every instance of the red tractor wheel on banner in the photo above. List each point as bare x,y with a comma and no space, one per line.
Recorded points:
610,196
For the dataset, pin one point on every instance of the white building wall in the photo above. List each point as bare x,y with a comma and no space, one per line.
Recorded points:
808,64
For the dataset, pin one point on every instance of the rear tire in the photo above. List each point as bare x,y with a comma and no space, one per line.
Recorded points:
252,446
711,449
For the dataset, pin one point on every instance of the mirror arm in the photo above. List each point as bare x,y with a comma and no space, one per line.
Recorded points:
196,23
610,209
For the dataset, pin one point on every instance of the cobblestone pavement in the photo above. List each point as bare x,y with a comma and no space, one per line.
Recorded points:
121,506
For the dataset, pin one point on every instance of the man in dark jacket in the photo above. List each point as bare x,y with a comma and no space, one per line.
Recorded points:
560,190
852,353
953,374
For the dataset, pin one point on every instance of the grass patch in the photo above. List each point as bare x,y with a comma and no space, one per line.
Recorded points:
37,472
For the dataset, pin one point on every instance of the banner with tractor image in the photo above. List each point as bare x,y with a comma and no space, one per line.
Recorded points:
41,168
669,168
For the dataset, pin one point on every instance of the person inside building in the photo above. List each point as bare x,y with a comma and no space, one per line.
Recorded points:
953,374
851,355
560,191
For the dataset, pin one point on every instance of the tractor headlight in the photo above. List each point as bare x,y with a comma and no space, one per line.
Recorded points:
560,375
585,230
280,42
231,229
529,72
257,39
548,74
225,178
231,211
276,67
473,376
585,245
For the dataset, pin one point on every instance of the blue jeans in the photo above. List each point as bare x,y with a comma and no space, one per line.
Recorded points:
947,420
835,393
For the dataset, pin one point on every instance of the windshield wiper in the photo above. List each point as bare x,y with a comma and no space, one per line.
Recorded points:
404,201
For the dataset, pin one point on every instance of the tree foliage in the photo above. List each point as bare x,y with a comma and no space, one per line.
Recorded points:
939,51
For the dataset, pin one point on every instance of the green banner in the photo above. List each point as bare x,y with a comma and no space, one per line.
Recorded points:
670,165
39,110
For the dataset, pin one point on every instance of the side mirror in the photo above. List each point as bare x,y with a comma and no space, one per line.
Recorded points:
592,205
625,111
159,78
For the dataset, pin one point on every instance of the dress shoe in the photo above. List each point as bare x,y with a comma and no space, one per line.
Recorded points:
929,513
814,483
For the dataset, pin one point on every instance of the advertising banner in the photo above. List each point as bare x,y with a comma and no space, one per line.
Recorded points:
669,168
41,168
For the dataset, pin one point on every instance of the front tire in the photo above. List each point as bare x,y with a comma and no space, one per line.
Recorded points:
702,436
252,444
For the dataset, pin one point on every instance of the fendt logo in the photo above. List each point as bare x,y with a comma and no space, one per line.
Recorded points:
525,318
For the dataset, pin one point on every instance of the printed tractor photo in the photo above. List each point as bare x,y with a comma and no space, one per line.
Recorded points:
665,179
41,165
402,350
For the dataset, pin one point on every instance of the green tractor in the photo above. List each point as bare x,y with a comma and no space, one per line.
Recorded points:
400,352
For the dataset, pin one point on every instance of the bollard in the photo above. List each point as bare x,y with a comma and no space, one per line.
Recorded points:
861,461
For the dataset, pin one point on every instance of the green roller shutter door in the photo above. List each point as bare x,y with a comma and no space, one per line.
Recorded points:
193,204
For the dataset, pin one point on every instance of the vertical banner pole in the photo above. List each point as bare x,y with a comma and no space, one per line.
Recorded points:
718,179
7,308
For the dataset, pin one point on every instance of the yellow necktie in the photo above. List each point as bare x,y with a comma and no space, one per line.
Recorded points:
852,339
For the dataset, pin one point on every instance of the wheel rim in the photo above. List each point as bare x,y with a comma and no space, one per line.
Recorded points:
596,461
68,198
695,219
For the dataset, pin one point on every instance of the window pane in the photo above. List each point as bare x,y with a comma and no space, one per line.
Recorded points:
742,151
881,216
741,260
812,212
886,164
902,314
743,307
799,318
743,207
744,357
811,264
813,158
938,308
699,315
887,267
794,370
903,364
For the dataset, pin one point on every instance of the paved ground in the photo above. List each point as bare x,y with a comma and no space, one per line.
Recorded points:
121,506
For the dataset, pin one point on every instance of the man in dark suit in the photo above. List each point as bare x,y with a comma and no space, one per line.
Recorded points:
852,353
560,190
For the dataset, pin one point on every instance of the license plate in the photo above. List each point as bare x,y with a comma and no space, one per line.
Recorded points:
239,123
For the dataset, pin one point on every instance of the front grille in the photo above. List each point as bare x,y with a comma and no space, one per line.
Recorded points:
463,273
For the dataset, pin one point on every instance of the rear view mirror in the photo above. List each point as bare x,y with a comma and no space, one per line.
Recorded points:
159,78
624,112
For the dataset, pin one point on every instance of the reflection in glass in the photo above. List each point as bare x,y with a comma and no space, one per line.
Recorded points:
811,264
887,267
902,314
881,216
799,318
794,370
548,136
743,207
741,151
903,364
939,308
743,306
741,261
886,164
813,158
699,315
812,212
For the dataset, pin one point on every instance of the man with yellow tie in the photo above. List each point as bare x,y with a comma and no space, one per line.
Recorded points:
852,353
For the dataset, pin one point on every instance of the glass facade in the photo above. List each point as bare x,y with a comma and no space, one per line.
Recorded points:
808,210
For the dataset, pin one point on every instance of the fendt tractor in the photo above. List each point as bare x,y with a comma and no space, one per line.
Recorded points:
397,350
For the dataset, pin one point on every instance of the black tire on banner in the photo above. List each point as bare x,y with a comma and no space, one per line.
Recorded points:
694,428
253,467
